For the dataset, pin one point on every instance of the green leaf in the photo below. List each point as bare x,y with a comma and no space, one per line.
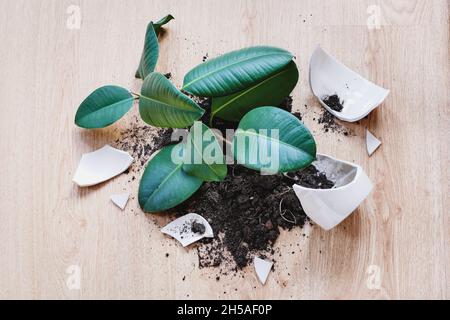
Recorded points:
164,184
273,140
150,54
203,155
103,107
157,25
162,105
269,92
235,71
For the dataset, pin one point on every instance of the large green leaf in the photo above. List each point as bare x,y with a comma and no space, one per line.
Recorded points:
157,25
273,140
162,105
203,155
269,92
103,107
164,184
235,71
150,54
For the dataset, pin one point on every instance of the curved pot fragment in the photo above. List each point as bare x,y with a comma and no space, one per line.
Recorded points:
188,229
101,165
329,207
327,77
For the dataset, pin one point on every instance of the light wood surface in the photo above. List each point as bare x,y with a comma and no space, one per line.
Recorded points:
48,224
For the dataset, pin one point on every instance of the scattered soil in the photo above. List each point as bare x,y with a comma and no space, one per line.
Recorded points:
334,102
329,124
247,211
141,141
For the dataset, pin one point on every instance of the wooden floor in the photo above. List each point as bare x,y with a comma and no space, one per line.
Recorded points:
396,245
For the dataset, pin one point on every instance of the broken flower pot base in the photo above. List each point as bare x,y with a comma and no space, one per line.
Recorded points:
330,207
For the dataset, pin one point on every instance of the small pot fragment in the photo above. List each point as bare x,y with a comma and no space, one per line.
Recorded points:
262,269
101,165
120,200
328,78
372,143
189,229
329,207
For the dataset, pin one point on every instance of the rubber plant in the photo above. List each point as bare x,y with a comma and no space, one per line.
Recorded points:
244,85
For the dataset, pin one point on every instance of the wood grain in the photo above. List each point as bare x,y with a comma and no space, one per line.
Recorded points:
47,224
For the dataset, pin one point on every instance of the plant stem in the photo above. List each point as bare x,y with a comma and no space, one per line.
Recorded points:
137,96
211,120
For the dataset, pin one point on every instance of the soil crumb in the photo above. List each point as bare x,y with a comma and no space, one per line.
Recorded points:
334,102
247,211
198,228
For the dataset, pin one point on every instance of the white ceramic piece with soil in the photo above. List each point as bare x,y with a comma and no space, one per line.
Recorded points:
359,96
372,143
329,207
101,165
262,269
120,200
181,229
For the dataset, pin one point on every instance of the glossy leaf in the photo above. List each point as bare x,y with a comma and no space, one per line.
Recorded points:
157,25
235,71
150,54
269,92
273,140
164,184
203,155
162,105
103,107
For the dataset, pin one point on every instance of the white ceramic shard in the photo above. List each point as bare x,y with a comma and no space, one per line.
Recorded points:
372,143
329,207
101,165
181,229
262,268
120,200
327,77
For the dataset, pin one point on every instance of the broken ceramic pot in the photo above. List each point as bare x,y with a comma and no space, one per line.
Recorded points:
328,77
372,143
329,207
120,200
189,229
101,165
262,268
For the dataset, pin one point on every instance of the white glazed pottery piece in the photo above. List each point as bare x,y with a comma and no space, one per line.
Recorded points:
180,229
262,268
327,76
120,200
101,165
329,207
372,143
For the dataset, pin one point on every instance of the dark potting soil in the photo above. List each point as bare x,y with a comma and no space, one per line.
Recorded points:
198,227
334,102
247,211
